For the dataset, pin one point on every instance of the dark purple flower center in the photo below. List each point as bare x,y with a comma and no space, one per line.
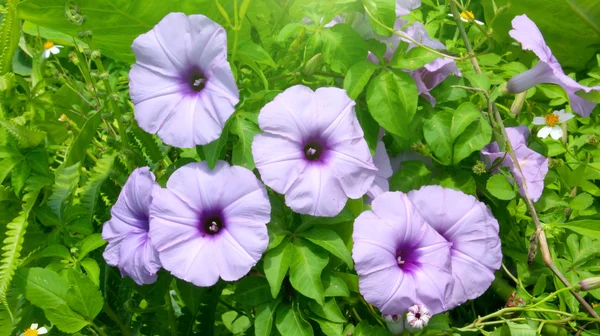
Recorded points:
315,149
418,315
195,79
407,259
211,222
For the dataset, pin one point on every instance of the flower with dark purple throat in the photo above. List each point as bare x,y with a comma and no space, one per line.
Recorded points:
181,84
417,318
533,164
547,70
394,323
127,231
400,259
210,223
312,150
473,231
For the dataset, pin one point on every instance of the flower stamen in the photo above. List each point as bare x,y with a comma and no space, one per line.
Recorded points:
400,261
48,45
213,227
467,15
551,119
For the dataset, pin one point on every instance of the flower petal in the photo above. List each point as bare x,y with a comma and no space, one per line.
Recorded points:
339,123
273,155
351,162
544,132
205,32
525,31
564,116
556,132
42,331
290,114
234,259
539,121
138,259
316,192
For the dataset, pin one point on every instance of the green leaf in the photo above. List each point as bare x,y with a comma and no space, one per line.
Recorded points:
438,135
89,244
91,189
308,260
78,148
290,321
235,323
329,328
335,286
464,116
499,186
329,240
83,296
265,314
357,78
520,329
6,167
213,150
473,139
66,179
365,329
370,127
412,176
65,319
55,250
27,136
329,311
343,47
42,287
384,12
92,270
392,100
256,53
585,227
245,129
414,59
10,32
276,263
582,201
480,81
13,243
252,291
114,23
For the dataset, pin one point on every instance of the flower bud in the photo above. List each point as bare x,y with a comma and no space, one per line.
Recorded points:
395,323
73,58
417,318
95,54
313,64
590,283
479,168
593,140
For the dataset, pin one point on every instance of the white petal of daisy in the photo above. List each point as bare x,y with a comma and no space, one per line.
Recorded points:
46,53
539,121
42,331
564,116
556,132
479,22
34,326
544,132
55,50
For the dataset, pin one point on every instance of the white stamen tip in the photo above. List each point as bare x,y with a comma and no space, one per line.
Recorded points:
199,81
400,261
311,151
214,227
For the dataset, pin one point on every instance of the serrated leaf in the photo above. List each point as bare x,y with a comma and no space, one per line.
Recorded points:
66,319
10,31
91,189
65,182
76,151
276,263
27,136
42,287
92,270
329,240
83,296
308,261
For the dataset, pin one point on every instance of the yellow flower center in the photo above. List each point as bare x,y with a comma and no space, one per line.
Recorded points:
551,119
30,332
467,15
47,46
63,117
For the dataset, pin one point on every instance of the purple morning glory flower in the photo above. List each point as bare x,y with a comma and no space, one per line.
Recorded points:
126,232
533,164
384,170
313,150
181,84
473,231
400,259
547,70
210,223
403,7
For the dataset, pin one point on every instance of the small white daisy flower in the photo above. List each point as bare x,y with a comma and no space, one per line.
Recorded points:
34,331
417,318
395,323
467,16
551,122
50,49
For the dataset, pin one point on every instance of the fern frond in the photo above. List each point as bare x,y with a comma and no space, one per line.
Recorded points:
91,189
9,319
7,194
65,182
148,144
13,243
27,136
10,32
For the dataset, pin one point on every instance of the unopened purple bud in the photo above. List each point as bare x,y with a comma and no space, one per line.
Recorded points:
417,318
590,283
395,323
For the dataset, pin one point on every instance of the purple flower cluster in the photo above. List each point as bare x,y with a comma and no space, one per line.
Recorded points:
435,247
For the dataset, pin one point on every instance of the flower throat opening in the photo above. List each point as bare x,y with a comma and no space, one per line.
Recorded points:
212,225
313,151
196,80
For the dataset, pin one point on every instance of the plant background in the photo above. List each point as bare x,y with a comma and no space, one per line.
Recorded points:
68,141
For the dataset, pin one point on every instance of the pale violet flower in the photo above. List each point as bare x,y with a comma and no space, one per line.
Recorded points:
468,16
403,7
34,330
547,70
181,84
417,318
313,150
50,49
552,123
381,159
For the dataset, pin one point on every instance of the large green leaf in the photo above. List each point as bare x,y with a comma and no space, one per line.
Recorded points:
464,115
265,315
357,78
438,135
474,138
83,296
308,260
42,287
383,12
392,99
245,128
331,241
276,263
585,227
252,291
114,23
329,311
343,47
560,21
76,151
290,321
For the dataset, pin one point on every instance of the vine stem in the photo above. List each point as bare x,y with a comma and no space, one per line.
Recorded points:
539,235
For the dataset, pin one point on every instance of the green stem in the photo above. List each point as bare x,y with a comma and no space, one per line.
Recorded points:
98,329
171,313
554,294
115,318
236,30
116,111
